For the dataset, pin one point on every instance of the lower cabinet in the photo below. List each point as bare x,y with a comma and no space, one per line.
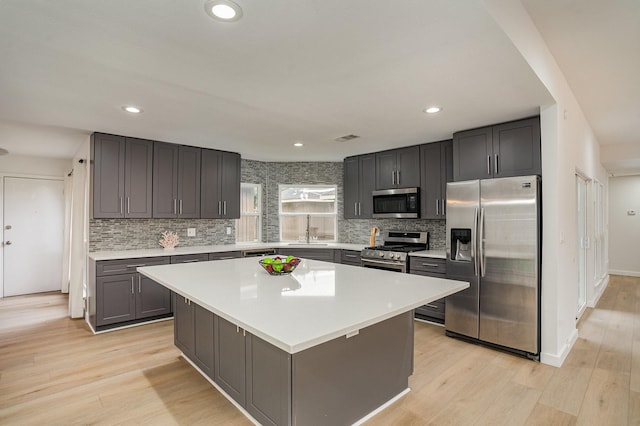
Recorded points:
430,267
193,333
322,254
350,257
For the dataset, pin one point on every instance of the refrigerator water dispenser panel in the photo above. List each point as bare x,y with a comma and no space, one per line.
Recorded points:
461,244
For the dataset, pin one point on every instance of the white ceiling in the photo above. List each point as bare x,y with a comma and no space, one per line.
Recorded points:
288,71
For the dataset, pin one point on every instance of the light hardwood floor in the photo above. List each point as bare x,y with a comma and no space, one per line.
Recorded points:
54,371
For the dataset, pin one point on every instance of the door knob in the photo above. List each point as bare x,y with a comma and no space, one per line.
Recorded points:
8,243
7,227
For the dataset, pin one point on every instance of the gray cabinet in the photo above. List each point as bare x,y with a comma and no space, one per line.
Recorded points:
176,181
430,267
322,254
121,176
193,333
224,255
120,295
230,347
504,150
398,168
359,183
350,257
220,185
437,169
190,258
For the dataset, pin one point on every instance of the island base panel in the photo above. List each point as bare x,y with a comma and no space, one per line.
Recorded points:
343,380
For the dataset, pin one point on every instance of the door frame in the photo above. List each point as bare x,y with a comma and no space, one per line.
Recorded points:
14,175
587,243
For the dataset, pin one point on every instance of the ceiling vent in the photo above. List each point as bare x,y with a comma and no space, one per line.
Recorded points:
346,138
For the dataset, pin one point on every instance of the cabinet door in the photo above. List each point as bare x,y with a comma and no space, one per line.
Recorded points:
268,382
165,180
115,299
472,152
229,371
446,167
367,184
203,351
230,185
138,178
152,299
210,197
385,169
351,187
408,167
184,325
516,148
431,188
108,174
188,182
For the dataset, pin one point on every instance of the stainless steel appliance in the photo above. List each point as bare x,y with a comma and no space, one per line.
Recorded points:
493,241
393,254
396,203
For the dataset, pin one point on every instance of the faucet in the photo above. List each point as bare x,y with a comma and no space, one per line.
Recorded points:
308,219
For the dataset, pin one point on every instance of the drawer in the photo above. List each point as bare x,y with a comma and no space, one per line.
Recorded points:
350,257
190,258
325,255
223,255
427,264
433,310
124,266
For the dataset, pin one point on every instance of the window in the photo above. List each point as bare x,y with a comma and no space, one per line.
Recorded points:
308,210
249,226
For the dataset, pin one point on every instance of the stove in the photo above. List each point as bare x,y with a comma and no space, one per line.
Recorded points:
393,254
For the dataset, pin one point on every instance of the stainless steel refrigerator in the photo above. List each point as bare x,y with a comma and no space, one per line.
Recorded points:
493,241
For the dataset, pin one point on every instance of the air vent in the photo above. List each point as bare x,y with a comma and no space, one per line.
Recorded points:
346,138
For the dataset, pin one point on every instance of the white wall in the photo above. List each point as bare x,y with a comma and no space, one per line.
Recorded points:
568,145
624,229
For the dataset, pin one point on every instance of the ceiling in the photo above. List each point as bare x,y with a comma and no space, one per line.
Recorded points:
295,71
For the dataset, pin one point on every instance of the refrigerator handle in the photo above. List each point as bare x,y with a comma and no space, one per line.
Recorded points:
481,244
473,243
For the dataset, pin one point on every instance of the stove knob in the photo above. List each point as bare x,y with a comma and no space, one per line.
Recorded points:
397,256
381,254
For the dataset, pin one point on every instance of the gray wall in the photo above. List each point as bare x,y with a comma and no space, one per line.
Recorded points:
122,234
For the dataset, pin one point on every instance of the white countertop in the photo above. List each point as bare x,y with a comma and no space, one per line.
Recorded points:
131,254
434,254
318,302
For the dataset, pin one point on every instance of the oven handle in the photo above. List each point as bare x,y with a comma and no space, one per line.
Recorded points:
395,266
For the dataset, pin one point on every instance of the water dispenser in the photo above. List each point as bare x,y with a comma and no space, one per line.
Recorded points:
461,244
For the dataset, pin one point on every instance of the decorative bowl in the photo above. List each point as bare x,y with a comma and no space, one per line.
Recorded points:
279,265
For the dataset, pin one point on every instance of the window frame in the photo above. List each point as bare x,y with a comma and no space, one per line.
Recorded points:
334,214
257,186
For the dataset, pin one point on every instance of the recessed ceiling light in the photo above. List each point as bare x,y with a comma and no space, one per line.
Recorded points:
298,144
132,109
223,10
433,110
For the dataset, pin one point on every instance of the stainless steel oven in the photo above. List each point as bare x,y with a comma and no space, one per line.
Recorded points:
385,265
393,254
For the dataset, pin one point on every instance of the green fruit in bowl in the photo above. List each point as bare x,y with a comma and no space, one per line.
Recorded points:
277,265
267,260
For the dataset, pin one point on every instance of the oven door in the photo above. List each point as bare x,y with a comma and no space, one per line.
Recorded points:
386,266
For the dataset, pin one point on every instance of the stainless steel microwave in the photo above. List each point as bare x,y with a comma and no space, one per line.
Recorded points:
396,203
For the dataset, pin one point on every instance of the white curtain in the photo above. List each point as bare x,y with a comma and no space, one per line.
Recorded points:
79,227
66,248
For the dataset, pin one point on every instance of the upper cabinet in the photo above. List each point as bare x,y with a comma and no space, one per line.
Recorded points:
220,185
437,169
359,183
504,150
176,181
398,168
121,175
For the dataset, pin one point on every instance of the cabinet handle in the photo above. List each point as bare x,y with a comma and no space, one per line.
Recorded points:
443,207
180,206
190,261
131,284
359,209
429,305
224,258
135,266
175,209
139,283
431,265
397,177
224,208
128,205
496,164
437,207
244,332
351,255
393,177
219,208
488,164
121,205
355,209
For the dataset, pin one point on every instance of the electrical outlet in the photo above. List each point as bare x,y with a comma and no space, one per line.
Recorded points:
191,232
228,230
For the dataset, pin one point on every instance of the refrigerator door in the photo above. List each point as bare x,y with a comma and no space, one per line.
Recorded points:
509,259
461,310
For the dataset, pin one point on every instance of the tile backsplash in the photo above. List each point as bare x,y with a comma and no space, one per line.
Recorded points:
123,234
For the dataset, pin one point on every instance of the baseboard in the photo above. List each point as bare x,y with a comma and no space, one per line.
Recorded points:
600,288
556,360
625,273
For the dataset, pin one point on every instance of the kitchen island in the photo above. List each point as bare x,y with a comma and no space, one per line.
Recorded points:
327,344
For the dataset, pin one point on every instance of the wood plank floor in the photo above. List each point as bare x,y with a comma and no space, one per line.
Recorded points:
54,371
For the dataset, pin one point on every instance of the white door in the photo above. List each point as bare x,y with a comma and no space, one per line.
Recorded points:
583,244
32,235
